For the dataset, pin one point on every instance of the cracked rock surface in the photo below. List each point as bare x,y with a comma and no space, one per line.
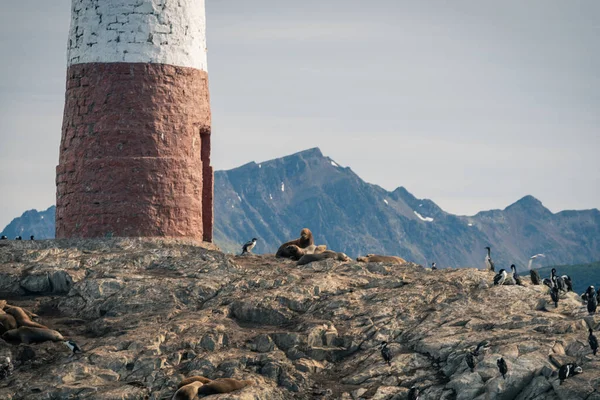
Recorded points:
148,313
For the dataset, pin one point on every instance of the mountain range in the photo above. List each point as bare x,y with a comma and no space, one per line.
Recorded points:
275,199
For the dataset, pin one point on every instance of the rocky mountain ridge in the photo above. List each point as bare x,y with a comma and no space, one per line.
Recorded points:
148,313
275,199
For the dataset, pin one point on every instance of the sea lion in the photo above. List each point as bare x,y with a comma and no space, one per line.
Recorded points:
295,253
188,392
7,322
384,259
223,385
308,258
22,317
305,240
27,335
191,379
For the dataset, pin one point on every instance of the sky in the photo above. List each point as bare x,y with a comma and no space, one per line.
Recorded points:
473,104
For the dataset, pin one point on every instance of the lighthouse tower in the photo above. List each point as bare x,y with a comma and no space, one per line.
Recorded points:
135,148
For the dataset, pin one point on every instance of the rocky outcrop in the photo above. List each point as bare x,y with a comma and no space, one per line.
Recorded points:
149,313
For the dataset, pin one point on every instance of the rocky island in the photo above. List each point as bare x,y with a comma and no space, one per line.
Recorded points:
149,313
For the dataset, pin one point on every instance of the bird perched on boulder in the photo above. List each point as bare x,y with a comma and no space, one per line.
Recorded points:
593,341
433,267
568,282
502,367
535,277
516,276
413,394
500,277
480,345
73,346
31,237
558,281
489,264
4,237
568,370
592,303
248,246
6,368
386,353
470,359
554,295
18,238
590,291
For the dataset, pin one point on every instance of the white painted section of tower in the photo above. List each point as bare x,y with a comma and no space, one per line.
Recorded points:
138,31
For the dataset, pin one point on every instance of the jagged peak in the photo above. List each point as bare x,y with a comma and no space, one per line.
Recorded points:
528,203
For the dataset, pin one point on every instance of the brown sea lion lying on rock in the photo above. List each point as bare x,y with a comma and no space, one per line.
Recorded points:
22,317
7,322
295,252
223,385
305,240
308,258
187,392
191,379
384,259
27,335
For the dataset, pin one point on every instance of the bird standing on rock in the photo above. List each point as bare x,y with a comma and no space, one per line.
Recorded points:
502,367
73,346
386,353
592,304
6,368
557,281
489,264
568,370
516,276
31,237
470,359
535,276
433,267
554,296
480,345
593,341
18,238
500,277
413,394
4,237
248,246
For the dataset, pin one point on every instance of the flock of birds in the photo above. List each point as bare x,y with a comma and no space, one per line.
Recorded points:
556,283
4,237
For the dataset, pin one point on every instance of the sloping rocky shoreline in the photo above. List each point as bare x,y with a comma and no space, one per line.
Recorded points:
148,313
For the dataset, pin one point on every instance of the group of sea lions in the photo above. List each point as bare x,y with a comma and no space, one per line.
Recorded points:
193,386
304,251
16,326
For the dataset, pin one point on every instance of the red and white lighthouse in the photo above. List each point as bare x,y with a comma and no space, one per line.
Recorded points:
135,148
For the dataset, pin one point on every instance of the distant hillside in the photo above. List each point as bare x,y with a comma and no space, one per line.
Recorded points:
583,275
32,222
273,200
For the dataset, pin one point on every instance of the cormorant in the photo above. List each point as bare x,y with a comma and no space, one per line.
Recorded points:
502,367
4,237
413,393
592,304
489,264
516,276
535,277
568,370
18,238
568,282
500,277
433,267
386,353
554,295
558,281
470,359
73,346
248,246
593,341
483,343
31,237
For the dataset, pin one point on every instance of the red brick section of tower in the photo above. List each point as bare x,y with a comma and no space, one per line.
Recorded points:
135,148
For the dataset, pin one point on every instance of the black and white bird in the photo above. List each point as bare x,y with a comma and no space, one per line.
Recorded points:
535,277
568,283
413,393
592,304
73,346
470,359
557,281
515,275
500,277
568,370
386,353
554,295
18,238
481,345
248,246
489,264
433,267
593,341
548,282
31,237
590,291
6,368
4,237
502,367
